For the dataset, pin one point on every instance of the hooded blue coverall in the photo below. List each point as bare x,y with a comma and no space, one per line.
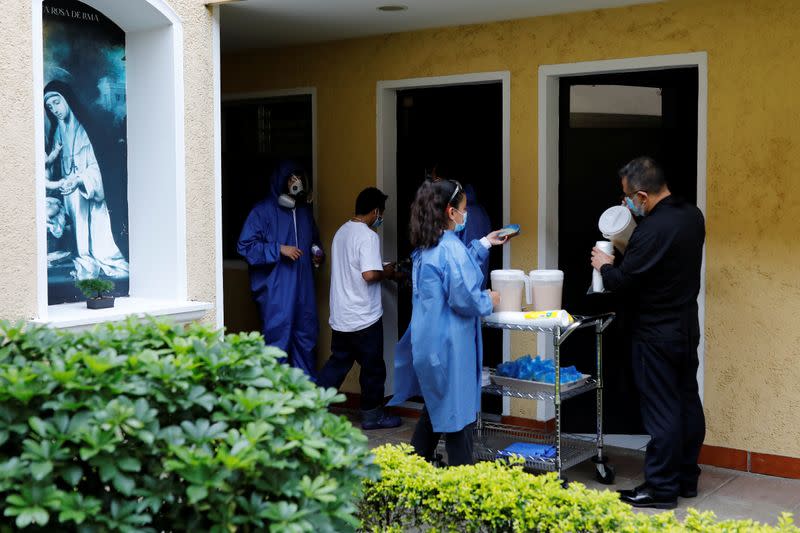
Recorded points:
283,288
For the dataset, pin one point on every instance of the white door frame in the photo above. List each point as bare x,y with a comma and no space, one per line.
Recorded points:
549,76
387,182
244,97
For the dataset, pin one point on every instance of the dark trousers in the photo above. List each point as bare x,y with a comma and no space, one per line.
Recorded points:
458,444
365,347
666,376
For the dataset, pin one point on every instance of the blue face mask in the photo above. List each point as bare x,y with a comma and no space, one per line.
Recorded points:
460,227
377,223
636,210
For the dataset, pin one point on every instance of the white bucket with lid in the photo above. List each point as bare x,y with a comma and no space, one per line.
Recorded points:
617,225
546,287
511,284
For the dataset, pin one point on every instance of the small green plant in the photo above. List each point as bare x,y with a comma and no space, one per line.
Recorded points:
144,426
95,288
411,494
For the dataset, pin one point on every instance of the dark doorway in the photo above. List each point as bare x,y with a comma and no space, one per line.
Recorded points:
256,135
461,125
592,148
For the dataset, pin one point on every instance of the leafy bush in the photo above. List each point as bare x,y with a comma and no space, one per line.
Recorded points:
153,427
411,493
95,288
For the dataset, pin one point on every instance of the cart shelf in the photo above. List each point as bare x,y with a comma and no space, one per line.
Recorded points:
600,322
492,438
500,390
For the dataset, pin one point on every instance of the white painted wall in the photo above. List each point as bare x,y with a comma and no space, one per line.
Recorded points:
156,166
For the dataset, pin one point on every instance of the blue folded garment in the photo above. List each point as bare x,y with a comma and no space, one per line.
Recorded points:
529,449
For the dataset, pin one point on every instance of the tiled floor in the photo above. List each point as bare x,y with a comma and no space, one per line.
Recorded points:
729,493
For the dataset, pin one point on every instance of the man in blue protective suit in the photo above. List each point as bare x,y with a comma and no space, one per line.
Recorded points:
276,241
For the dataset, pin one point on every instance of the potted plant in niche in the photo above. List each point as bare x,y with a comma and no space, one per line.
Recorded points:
96,292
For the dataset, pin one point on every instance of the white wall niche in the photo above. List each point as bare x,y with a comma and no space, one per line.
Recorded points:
156,167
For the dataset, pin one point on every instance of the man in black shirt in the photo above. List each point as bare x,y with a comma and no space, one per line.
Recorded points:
659,279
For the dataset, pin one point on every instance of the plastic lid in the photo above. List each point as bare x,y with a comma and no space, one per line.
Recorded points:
508,275
614,220
547,275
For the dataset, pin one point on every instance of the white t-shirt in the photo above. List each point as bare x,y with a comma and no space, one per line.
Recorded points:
354,303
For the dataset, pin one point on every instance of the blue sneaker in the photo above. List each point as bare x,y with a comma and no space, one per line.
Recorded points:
377,419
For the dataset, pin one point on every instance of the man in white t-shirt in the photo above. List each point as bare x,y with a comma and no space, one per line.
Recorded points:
356,310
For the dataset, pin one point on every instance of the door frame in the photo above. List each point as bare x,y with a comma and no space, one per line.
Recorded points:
294,91
549,76
244,97
387,182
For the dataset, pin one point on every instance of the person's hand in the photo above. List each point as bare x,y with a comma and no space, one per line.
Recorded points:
600,258
68,186
292,252
317,259
388,271
495,240
495,298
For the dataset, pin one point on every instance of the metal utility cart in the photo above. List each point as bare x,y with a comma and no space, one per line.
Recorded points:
492,437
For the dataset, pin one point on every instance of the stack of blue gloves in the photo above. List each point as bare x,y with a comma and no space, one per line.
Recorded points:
538,369
528,450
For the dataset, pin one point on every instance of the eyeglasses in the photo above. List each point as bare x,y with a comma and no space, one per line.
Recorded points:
455,192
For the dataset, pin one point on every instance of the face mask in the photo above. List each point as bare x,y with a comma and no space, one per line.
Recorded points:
377,223
636,210
284,200
460,227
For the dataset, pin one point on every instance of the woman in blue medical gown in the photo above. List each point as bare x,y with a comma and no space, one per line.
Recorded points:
440,356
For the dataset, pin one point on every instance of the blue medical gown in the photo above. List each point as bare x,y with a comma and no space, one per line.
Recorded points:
282,288
441,354
478,225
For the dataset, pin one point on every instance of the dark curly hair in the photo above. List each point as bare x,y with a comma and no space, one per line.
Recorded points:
428,212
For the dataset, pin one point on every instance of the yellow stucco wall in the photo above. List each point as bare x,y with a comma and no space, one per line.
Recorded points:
753,293
18,283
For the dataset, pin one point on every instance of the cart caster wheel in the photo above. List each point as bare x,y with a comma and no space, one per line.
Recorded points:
604,472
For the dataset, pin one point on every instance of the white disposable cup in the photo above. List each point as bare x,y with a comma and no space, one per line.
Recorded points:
597,279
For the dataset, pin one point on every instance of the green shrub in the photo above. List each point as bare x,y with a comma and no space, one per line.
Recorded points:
145,426
412,494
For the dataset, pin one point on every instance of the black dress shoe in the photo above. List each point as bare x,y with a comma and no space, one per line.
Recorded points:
689,491
645,497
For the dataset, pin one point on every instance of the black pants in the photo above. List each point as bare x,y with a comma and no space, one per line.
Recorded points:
666,376
365,347
458,444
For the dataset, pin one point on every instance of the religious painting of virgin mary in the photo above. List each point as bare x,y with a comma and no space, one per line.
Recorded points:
86,149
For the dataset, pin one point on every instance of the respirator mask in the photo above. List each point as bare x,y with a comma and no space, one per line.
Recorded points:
296,190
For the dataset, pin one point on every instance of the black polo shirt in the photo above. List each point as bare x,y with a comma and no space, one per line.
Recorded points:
659,275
